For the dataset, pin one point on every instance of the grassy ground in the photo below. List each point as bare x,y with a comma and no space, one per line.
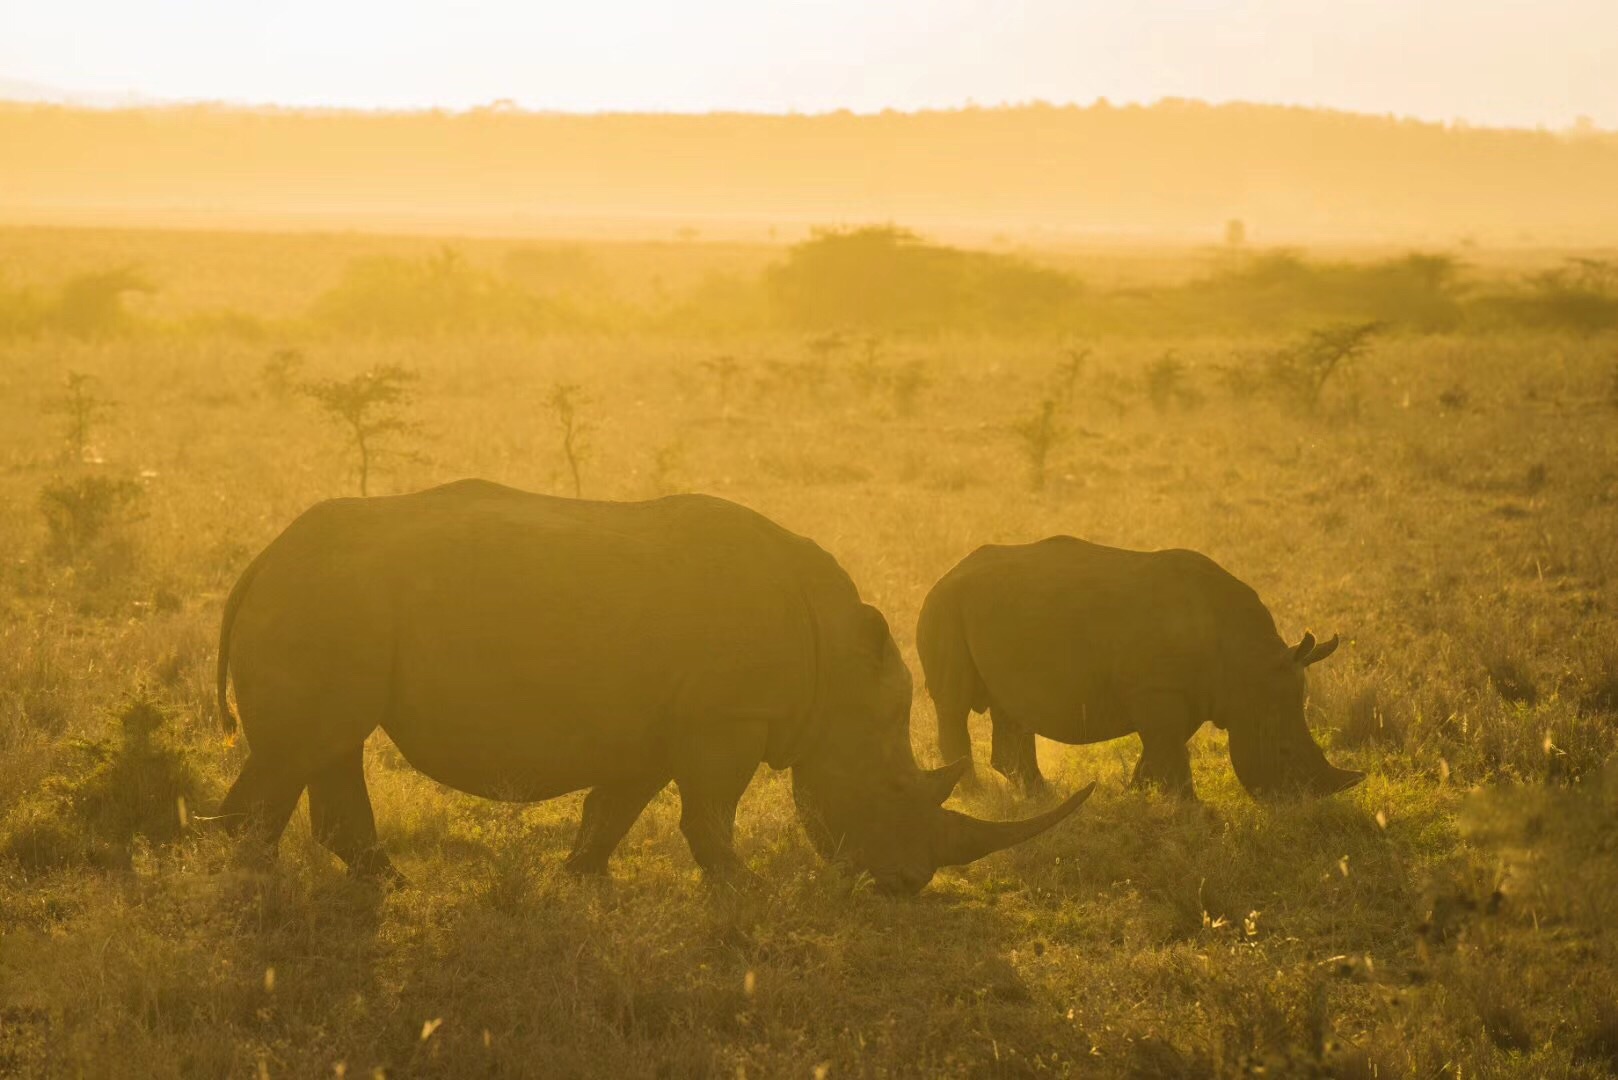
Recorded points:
1451,507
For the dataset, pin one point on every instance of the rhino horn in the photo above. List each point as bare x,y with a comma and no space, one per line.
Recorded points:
940,782
961,839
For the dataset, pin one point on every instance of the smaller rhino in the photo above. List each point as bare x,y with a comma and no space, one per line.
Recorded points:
1083,643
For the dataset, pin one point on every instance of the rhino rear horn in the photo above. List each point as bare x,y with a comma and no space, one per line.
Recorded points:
962,839
939,783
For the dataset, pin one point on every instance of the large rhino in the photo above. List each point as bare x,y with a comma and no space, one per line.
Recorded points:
1082,643
520,647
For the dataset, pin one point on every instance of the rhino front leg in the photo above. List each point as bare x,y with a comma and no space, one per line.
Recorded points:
712,768
609,811
1165,756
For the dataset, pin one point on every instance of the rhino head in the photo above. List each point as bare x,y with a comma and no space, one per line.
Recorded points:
1270,745
863,800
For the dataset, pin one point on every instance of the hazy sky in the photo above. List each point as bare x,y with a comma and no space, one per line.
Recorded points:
1487,61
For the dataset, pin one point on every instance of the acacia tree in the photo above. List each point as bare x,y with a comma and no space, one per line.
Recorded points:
369,406
1303,370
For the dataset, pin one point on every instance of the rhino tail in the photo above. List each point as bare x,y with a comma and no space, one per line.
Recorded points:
233,603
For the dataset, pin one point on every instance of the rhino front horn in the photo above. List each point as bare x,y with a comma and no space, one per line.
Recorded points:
962,839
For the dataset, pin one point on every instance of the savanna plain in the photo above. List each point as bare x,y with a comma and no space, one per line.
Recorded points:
1413,450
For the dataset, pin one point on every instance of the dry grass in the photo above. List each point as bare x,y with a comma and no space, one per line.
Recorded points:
1409,928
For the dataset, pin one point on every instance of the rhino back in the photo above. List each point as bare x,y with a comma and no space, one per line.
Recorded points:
516,634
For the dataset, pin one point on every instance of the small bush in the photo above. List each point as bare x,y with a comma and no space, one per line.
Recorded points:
133,785
725,370
92,305
1040,433
1068,374
1165,381
439,294
905,384
1581,295
884,277
20,311
83,512
83,410
279,374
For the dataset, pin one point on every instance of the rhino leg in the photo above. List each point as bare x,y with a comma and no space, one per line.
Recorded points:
712,768
609,811
341,818
1013,753
1165,754
954,739
259,805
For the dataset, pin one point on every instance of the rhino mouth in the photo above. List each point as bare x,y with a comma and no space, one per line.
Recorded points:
1270,764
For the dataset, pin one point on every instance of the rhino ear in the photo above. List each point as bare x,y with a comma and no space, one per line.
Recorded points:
1323,650
874,636
939,783
1307,652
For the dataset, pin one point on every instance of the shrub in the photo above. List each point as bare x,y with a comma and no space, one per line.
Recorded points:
280,373
1581,295
20,311
724,369
1420,290
92,305
905,384
82,512
885,277
1165,378
1068,373
83,409
1039,434
135,784
388,295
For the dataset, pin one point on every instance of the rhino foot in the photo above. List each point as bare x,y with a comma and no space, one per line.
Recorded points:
379,873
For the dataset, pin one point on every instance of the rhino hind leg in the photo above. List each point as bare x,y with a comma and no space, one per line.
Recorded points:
954,739
1014,754
259,805
609,811
341,818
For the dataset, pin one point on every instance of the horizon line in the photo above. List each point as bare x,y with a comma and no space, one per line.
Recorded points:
134,101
